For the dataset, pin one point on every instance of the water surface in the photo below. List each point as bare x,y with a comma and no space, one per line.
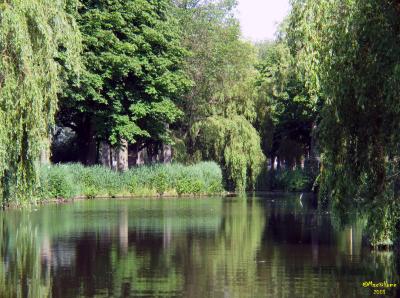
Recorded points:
271,246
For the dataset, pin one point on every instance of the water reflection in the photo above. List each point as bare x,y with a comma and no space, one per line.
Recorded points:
21,270
255,247
308,257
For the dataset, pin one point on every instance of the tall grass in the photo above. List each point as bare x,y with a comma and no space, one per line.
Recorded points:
72,180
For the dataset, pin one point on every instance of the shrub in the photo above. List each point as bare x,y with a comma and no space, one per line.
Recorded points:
183,186
160,182
292,180
57,182
197,186
214,187
90,192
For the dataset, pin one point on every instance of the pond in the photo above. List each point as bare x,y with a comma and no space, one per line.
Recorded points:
270,246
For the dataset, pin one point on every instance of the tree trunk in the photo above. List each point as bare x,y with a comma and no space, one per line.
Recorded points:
122,156
313,163
167,154
45,152
86,142
91,157
105,154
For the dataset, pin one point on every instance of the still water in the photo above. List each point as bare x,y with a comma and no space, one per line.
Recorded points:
271,246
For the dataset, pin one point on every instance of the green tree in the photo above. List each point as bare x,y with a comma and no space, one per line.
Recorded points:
234,143
285,112
34,37
221,66
349,51
133,60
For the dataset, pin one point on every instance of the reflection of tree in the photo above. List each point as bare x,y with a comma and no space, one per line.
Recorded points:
21,273
224,264
127,248
191,248
199,247
314,254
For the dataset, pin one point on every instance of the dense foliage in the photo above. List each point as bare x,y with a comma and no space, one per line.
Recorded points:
133,74
220,108
35,36
351,64
286,113
233,142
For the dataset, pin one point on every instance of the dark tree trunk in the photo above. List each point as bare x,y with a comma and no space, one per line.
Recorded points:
137,154
122,156
132,155
91,157
105,156
87,142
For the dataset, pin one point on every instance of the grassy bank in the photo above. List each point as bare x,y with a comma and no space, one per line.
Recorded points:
74,180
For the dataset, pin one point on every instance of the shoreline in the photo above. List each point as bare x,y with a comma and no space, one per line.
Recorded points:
225,194
116,197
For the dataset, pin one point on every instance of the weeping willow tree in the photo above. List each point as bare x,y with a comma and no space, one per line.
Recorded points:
35,37
228,135
220,107
235,144
350,53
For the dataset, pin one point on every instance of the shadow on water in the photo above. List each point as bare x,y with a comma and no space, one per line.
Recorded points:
270,246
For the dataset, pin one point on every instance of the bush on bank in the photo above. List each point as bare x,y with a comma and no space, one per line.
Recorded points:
286,180
293,180
72,180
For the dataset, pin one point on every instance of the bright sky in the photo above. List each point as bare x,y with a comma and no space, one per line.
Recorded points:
259,19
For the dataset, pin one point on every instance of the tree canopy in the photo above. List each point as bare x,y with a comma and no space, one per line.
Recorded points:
133,73
220,108
285,112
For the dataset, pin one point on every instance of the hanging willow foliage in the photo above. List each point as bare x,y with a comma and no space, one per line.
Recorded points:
353,63
34,36
235,144
350,53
